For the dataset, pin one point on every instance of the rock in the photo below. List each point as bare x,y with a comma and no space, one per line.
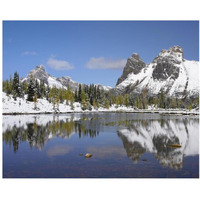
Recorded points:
88,155
175,145
80,154
134,65
144,160
169,72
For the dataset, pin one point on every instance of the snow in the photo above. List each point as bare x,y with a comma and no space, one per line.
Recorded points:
43,106
107,88
192,68
53,82
188,79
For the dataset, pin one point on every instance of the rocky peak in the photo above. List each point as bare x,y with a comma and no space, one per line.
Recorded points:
166,63
67,81
38,73
173,54
134,65
136,57
40,67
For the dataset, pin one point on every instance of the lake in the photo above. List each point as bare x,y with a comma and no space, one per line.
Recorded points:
123,145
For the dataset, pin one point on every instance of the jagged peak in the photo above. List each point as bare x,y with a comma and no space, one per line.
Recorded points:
174,53
66,77
135,57
41,67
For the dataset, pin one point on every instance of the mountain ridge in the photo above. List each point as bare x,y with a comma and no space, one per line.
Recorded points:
40,73
169,72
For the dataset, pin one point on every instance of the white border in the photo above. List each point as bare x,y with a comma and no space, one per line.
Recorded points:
98,188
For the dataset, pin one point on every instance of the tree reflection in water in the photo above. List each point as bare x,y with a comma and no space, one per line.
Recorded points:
138,135
37,135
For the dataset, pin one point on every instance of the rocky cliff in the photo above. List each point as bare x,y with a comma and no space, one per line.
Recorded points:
169,72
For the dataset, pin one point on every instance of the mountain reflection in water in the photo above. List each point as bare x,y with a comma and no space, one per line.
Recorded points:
138,134
156,137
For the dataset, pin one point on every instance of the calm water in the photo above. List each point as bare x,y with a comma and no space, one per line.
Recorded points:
123,145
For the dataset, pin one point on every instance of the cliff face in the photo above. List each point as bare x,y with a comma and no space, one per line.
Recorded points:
134,65
169,72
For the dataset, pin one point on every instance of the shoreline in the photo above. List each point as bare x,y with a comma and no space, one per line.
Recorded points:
168,112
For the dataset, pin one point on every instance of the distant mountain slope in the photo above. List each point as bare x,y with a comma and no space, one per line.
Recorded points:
169,72
39,73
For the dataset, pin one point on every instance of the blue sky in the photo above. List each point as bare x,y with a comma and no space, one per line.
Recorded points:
91,51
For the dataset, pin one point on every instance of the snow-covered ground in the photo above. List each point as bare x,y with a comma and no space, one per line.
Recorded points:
22,106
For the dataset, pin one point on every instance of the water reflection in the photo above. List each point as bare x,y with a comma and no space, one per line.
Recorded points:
139,134
38,132
156,137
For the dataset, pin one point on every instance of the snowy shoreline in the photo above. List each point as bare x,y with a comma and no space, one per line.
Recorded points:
22,107
169,112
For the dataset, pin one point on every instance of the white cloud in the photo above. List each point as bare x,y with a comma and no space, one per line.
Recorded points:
102,63
59,64
32,53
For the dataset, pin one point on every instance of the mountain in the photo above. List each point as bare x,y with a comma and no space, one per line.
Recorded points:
169,72
40,73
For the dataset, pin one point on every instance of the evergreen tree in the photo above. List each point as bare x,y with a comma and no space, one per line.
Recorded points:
84,102
173,103
37,89
97,104
72,104
25,87
117,101
53,94
79,93
57,102
94,104
31,90
131,101
113,99
76,96
144,99
15,85
161,100
126,100
69,95
107,104
7,87
48,89
121,100
42,89
98,94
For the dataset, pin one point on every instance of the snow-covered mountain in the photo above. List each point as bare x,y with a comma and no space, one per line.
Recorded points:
40,73
169,72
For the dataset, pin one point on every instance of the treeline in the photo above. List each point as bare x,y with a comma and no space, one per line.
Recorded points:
90,96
